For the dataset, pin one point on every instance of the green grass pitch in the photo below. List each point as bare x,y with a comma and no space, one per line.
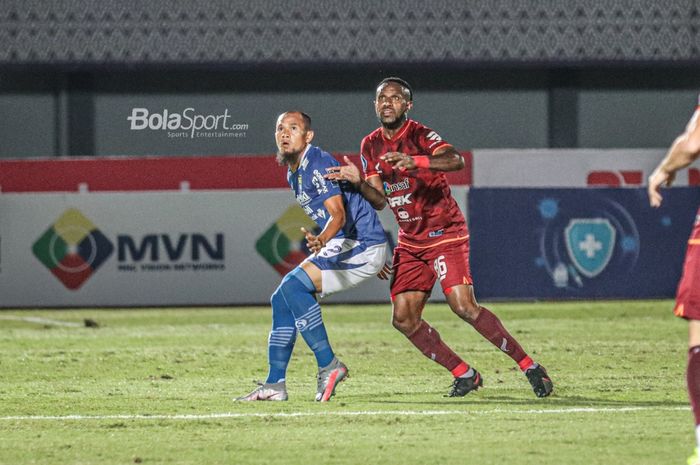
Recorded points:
155,386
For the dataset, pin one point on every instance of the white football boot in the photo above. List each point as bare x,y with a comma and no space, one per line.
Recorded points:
266,391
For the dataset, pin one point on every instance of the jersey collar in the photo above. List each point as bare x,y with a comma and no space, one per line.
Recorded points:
301,158
402,130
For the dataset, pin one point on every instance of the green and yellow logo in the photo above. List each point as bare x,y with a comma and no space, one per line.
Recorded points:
283,245
72,248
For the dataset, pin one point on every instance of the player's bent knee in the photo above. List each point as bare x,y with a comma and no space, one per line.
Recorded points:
467,312
296,281
406,326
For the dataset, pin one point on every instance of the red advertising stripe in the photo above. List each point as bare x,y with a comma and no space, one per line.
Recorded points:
156,173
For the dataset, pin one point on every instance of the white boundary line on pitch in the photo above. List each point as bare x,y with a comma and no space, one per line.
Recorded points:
216,416
41,321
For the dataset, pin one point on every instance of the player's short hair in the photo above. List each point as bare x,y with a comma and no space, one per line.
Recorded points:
399,81
307,120
304,116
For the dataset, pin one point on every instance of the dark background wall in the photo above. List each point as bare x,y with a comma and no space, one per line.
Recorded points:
509,73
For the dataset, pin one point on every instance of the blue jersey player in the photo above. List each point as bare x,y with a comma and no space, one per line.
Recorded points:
350,248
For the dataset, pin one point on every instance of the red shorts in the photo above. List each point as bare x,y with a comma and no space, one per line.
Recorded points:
688,295
418,269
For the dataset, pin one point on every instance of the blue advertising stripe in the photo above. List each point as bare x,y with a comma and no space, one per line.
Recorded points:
578,243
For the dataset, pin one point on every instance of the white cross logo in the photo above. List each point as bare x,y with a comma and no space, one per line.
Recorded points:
590,245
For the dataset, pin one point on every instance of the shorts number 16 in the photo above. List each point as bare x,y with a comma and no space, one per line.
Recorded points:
440,267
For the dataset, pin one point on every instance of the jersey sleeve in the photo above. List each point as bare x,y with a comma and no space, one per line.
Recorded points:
369,168
325,188
429,140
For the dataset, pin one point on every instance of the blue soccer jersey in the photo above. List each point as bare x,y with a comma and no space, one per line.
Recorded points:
312,189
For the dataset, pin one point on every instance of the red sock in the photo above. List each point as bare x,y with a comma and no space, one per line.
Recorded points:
693,378
428,341
489,326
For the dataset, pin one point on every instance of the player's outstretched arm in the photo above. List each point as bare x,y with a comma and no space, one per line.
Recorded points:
684,150
445,158
349,172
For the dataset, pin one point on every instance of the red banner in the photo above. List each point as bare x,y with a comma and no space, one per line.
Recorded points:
158,173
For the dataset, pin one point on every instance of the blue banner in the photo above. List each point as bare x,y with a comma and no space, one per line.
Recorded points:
578,243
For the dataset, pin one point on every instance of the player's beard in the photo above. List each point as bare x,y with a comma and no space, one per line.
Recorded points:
287,158
395,124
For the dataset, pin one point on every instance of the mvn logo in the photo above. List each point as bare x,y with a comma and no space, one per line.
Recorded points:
72,248
152,246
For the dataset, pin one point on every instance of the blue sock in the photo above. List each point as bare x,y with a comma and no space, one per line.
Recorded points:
298,292
282,337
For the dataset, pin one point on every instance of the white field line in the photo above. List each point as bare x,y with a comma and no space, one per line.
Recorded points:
215,416
41,321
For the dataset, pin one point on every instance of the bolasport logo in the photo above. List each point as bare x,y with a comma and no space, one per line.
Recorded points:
187,124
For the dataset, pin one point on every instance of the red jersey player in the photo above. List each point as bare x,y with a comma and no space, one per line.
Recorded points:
404,164
684,150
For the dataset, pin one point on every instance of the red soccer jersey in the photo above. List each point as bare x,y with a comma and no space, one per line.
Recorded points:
420,199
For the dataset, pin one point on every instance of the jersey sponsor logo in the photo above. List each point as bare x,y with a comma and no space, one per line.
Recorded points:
320,213
308,210
402,216
590,243
304,163
434,137
399,186
437,233
319,182
399,200
303,198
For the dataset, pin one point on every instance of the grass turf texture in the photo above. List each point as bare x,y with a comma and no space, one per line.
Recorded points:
618,369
